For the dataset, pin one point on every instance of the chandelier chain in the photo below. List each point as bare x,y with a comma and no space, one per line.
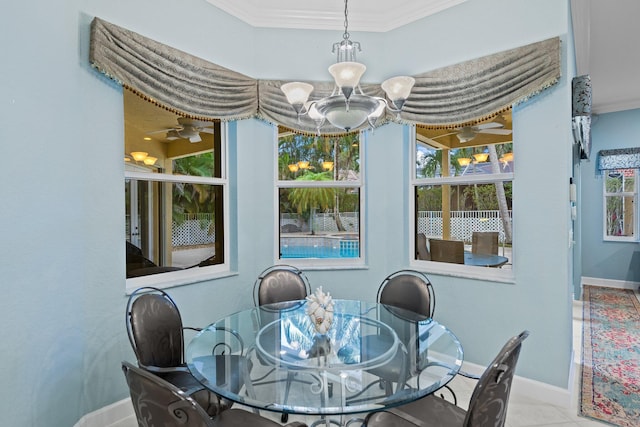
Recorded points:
346,21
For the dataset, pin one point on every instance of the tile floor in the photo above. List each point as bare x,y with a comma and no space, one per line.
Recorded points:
522,412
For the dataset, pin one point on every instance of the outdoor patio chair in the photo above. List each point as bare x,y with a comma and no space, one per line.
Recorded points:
422,251
157,402
138,265
451,251
487,407
484,242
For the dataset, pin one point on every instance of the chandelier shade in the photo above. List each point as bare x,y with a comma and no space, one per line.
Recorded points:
348,107
347,76
297,94
398,89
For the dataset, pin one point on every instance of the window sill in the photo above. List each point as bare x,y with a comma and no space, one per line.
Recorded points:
621,239
179,278
323,264
487,274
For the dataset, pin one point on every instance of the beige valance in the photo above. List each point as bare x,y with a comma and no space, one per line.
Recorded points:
460,94
172,78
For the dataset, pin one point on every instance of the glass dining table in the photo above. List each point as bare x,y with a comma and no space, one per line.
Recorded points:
373,357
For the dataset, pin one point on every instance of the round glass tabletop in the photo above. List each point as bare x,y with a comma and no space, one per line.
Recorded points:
290,368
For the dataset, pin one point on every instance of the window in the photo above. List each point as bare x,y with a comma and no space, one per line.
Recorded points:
620,204
319,193
462,187
175,192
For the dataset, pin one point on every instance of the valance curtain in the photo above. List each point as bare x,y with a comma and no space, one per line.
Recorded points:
622,158
171,78
460,94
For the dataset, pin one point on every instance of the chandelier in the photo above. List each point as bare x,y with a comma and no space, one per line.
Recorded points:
348,107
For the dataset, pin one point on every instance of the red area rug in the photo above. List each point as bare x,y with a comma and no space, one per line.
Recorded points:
610,388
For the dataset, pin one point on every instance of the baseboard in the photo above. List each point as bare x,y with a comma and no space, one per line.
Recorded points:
531,389
609,283
107,416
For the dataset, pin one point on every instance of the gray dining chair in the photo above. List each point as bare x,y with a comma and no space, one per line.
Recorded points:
487,406
156,333
279,284
412,293
157,403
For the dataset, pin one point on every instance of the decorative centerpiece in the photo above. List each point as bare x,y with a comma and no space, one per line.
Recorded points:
320,311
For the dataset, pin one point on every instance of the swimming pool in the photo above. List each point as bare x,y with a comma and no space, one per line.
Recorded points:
342,251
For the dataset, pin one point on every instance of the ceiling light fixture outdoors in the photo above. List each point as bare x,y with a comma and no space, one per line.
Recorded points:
139,156
481,157
348,107
506,157
464,161
150,160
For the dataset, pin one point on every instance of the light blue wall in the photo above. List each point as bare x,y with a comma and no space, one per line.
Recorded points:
61,221
606,259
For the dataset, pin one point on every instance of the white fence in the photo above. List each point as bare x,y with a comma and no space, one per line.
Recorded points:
322,222
194,229
463,223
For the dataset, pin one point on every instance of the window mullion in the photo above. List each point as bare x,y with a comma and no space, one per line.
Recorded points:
469,179
162,177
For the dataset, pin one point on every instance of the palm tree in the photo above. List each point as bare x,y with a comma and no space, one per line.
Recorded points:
502,200
193,198
305,199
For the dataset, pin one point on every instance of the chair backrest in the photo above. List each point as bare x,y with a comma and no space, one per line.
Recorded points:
154,327
484,242
421,248
280,283
412,291
409,290
490,398
447,250
159,403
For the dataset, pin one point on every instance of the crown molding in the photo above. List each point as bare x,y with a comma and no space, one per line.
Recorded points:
603,107
373,16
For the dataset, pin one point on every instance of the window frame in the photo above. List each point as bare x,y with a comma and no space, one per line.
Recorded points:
636,209
196,274
321,263
443,268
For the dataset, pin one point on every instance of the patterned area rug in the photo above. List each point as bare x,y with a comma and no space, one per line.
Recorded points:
610,389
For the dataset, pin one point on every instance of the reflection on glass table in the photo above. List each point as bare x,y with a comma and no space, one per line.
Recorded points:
296,370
